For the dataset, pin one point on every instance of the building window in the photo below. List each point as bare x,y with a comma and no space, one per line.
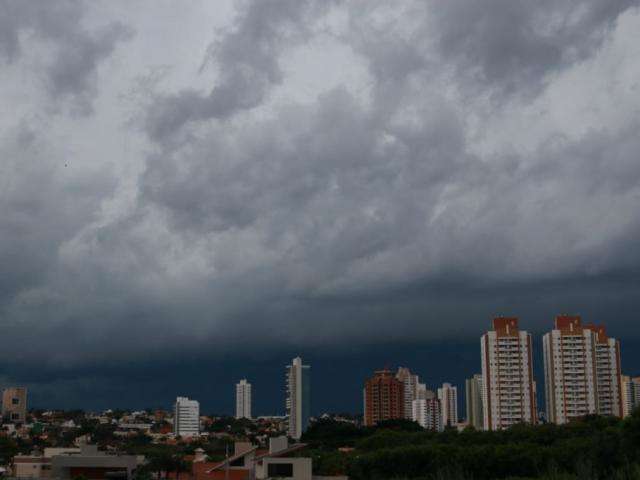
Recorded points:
15,401
280,470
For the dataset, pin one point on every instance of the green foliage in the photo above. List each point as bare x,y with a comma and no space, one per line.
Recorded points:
595,448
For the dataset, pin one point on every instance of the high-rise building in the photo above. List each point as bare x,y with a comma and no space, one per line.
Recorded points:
243,399
473,401
14,404
427,413
298,397
509,393
630,394
186,417
383,398
582,371
608,370
448,396
410,384
423,393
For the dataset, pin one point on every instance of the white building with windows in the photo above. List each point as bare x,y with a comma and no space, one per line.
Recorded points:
509,392
410,384
298,397
243,399
186,417
427,413
582,371
448,396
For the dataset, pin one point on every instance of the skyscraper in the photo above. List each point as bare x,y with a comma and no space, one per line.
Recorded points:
186,417
410,384
14,404
448,396
473,401
243,399
509,395
427,413
383,398
298,397
582,371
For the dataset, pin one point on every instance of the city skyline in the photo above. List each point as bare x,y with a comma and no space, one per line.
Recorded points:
413,388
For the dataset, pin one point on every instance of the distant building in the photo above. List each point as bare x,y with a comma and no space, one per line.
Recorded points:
423,393
243,399
509,393
14,404
186,417
298,397
582,371
383,398
448,396
428,413
473,401
630,394
93,465
410,384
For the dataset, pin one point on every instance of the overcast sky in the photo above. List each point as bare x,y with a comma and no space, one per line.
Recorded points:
200,179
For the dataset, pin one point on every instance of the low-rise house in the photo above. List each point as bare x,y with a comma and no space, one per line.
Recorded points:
93,465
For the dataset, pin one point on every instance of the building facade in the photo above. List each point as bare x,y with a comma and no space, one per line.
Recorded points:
186,417
448,396
383,398
14,404
509,395
630,394
582,371
428,414
473,401
243,399
298,397
410,384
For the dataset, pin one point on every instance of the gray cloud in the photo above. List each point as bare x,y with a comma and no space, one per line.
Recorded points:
409,198
246,58
71,71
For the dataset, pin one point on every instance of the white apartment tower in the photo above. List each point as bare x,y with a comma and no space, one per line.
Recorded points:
243,399
411,384
427,413
582,371
298,397
448,396
186,417
509,392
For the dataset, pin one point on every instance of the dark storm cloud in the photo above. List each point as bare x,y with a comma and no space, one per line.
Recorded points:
70,72
407,207
342,196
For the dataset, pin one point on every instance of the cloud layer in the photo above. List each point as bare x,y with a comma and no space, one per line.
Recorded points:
313,173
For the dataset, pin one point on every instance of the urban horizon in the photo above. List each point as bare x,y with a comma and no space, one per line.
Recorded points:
276,392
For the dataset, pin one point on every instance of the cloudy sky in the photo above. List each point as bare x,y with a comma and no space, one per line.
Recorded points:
191,192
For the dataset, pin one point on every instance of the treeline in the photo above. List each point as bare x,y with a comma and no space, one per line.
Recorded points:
592,448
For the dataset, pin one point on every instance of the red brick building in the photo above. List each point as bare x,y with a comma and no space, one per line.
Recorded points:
383,398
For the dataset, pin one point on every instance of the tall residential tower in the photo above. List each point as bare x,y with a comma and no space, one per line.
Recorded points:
243,399
186,417
383,398
473,401
582,371
298,397
509,394
448,396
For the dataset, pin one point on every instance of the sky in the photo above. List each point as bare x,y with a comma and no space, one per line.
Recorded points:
196,192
